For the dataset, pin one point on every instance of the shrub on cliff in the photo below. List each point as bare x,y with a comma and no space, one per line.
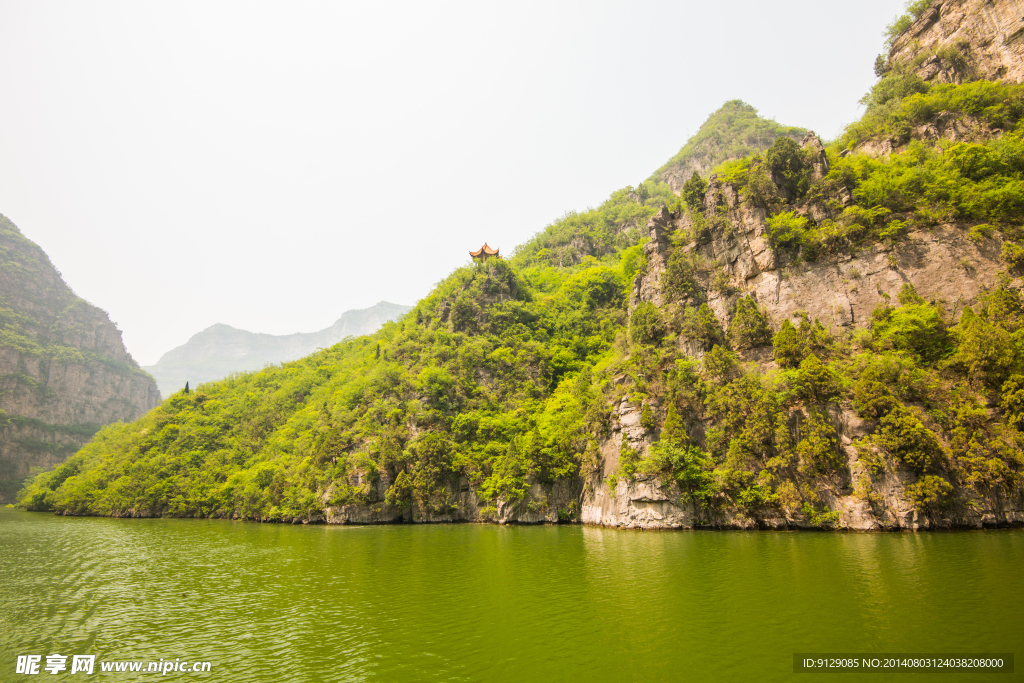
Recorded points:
900,102
871,397
788,166
818,447
693,192
915,326
646,325
794,343
749,325
787,229
702,325
679,279
1012,401
900,25
816,382
902,436
984,351
929,493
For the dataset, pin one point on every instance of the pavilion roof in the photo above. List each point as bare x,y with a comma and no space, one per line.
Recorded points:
484,251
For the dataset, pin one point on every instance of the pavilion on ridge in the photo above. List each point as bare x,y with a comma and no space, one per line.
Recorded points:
485,252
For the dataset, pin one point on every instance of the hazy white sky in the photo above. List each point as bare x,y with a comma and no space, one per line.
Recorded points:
272,165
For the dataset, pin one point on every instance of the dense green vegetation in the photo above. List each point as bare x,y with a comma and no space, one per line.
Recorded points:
488,378
901,102
926,182
735,130
509,373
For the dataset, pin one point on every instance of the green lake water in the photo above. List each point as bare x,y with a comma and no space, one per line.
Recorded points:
487,603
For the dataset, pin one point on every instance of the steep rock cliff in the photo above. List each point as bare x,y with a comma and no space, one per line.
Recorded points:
942,264
64,370
954,41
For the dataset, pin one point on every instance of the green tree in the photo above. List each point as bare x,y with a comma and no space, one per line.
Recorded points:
432,471
929,494
786,161
702,325
690,466
818,447
787,346
903,436
816,381
693,192
761,189
674,430
871,397
678,280
787,229
647,417
985,351
1012,402
399,494
646,325
749,325
915,326
721,363
629,459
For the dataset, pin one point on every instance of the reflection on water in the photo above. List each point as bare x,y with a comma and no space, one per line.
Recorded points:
474,603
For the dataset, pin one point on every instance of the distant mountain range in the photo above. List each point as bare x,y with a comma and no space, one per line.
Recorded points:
220,349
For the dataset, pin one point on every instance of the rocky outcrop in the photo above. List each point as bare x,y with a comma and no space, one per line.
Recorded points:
64,370
650,502
955,41
657,230
545,503
943,264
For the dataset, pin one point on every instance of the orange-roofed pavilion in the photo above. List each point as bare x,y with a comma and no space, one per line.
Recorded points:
484,253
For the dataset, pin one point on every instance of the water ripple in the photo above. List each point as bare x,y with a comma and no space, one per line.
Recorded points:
475,603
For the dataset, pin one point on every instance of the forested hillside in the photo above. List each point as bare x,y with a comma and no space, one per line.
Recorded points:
809,335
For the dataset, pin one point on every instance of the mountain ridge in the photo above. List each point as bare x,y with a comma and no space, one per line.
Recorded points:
219,350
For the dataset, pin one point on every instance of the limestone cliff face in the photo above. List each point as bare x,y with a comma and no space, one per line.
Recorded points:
841,291
649,502
64,370
540,505
955,41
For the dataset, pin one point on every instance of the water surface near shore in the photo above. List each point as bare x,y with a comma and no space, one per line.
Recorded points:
474,602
